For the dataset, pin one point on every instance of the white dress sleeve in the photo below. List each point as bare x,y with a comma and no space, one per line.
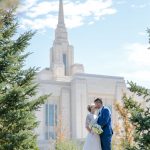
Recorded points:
88,120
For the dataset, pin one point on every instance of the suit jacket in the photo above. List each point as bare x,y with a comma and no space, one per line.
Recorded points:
104,120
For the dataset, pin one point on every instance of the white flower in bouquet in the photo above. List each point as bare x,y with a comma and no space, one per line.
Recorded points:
96,128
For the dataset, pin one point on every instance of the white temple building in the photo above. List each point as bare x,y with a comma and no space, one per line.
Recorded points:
72,90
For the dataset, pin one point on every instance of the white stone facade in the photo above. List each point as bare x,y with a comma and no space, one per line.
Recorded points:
72,90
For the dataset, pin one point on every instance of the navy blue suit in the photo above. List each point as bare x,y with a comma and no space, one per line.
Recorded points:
104,120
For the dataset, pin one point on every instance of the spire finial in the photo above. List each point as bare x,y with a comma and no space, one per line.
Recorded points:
61,13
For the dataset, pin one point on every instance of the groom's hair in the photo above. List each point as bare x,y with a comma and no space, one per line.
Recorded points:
99,100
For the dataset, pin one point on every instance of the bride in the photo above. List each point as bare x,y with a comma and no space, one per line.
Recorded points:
93,140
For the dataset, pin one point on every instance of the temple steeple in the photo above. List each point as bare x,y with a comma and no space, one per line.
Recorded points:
61,35
61,13
61,55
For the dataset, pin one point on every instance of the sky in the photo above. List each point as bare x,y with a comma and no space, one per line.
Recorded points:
109,36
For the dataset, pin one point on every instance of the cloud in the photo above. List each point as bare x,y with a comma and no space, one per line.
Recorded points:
120,2
139,6
42,8
138,64
138,54
142,33
138,75
141,77
26,5
37,14
39,23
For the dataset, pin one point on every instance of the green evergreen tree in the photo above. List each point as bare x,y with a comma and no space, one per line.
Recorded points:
17,88
139,117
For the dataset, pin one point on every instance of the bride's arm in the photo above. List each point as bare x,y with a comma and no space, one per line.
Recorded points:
88,120
88,129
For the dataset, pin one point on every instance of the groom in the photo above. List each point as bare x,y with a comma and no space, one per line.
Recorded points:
104,120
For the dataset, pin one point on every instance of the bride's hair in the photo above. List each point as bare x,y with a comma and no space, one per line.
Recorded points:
89,107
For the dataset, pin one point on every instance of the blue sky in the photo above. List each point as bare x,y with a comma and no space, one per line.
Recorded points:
109,36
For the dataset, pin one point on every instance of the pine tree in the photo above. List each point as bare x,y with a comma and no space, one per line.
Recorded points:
139,117
17,88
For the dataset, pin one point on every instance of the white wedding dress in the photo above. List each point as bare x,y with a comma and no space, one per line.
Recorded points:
93,140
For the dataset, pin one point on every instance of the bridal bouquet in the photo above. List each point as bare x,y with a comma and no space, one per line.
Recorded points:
96,128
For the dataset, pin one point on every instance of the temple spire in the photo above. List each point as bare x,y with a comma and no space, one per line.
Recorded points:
61,13
61,52
61,31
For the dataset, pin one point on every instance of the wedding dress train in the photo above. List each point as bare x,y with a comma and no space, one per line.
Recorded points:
93,140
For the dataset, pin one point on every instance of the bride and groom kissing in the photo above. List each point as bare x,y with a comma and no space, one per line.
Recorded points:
96,141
